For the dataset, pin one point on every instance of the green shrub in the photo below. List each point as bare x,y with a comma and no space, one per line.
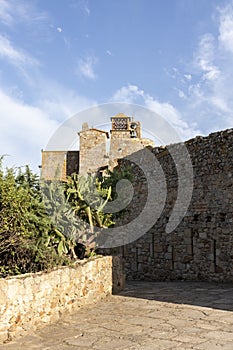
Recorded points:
41,221
28,239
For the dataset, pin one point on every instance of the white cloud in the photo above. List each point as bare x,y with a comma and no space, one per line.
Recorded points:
188,77
181,93
26,128
16,11
209,97
220,103
86,67
132,94
205,57
5,13
17,57
81,4
173,117
61,103
127,94
226,27
24,131
87,9
172,73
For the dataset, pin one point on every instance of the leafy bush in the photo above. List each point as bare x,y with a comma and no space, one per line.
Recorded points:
41,222
23,222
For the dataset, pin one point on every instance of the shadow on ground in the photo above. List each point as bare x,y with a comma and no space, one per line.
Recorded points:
205,294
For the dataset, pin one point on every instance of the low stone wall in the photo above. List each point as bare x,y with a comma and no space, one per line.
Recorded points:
31,300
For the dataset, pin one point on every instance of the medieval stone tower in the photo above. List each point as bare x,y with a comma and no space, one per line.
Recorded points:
92,149
98,149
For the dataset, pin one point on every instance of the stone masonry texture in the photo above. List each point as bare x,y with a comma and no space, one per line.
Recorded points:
92,150
201,247
30,301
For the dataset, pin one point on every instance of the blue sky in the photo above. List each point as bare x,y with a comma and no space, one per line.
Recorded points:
59,57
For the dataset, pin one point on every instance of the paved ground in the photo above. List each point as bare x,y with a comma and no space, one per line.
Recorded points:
145,316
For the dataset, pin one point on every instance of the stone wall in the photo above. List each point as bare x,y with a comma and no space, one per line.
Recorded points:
93,150
32,300
122,145
53,165
201,247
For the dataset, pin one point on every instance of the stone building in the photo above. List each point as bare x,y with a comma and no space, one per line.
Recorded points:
98,149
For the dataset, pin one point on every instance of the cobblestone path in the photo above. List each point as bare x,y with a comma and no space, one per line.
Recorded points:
145,316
